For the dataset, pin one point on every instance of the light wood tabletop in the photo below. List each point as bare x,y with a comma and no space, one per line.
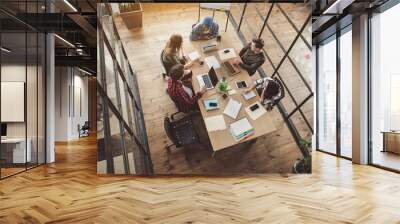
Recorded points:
223,138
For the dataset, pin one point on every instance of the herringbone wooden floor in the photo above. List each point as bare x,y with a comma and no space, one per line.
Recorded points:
69,191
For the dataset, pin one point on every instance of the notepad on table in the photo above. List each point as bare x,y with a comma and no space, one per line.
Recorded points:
248,95
215,123
194,55
212,62
232,108
241,129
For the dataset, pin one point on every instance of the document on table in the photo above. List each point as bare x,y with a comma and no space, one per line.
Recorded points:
249,95
254,115
232,91
226,56
212,62
215,123
232,108
194,55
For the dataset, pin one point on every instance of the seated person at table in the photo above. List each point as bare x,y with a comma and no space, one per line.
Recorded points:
252,56
270,91
182,95
172,54
205,30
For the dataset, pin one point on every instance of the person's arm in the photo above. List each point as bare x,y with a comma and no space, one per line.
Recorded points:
214,30
188,100
244,49
251,67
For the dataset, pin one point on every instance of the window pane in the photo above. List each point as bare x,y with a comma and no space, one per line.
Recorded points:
252,22
327,96
346,94
385,85
116,143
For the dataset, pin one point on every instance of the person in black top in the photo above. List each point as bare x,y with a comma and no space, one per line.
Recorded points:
252,56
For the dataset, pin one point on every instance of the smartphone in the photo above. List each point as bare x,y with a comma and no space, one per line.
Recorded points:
241,84
254,107
213,104
226,51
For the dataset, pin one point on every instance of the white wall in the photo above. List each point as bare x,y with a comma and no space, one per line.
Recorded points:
71,87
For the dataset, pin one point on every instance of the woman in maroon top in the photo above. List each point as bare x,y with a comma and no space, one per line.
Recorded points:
181,94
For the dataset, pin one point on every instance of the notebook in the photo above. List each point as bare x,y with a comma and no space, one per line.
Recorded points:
232,108
249,95
212,62
194,55
241,129
215,123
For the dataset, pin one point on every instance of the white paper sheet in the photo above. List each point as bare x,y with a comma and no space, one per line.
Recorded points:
215,123
232,108
194,55
212,62
254,115
226,56
249,95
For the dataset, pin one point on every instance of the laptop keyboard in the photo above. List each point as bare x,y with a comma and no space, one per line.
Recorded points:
229,67
207,81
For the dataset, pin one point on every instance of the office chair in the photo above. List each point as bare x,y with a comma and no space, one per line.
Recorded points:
180,109
276,99
84,130
182,133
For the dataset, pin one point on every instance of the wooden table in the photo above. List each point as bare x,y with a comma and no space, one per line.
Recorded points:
391,141
223,138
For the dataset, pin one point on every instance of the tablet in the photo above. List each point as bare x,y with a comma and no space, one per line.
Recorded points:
241,84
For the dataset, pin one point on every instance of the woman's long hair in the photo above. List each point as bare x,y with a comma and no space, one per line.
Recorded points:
174,44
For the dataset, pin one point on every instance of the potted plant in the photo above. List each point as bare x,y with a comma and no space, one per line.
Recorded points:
223,87
304,165
131,14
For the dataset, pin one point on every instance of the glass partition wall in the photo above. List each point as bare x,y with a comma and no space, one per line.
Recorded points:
385,90
22,76
121,138
286,30
334,94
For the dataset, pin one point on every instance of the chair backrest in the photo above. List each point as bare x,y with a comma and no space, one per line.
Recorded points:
167,66
281,94
169,130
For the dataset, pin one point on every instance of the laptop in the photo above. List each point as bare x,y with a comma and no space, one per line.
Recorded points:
209,80
230,68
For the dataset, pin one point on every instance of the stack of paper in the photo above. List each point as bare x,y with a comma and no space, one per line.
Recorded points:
232,108
215,123
194,55
241,129
212,62
249,95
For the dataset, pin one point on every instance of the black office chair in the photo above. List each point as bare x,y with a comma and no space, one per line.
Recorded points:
278,97
182,133
84,130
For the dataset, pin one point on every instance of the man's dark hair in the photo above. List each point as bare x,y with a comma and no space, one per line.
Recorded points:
176,71
259,43
271,90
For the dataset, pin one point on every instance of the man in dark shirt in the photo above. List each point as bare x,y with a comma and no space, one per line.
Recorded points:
252,56
183,96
